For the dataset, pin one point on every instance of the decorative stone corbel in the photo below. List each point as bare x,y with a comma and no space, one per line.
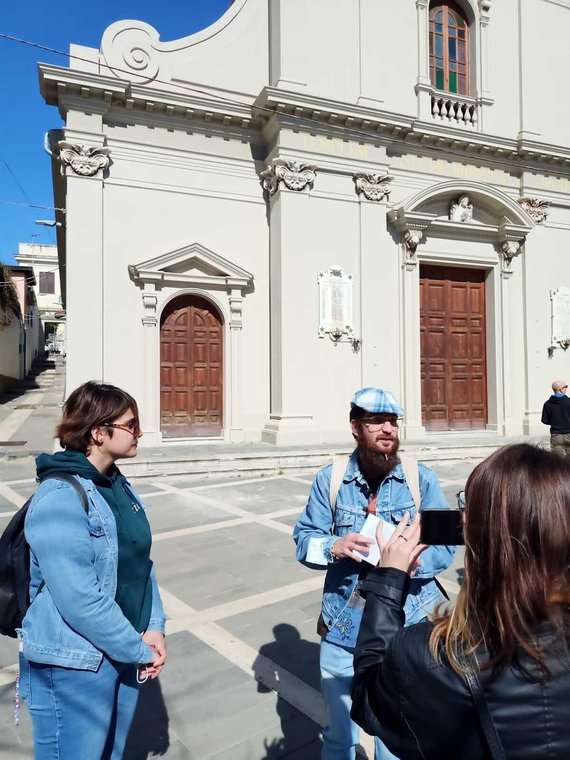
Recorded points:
510,249
83,159
236,305
374,187
412,239
292,174
150,303
535,208
485,10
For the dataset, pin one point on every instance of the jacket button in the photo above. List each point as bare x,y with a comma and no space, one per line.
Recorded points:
329,622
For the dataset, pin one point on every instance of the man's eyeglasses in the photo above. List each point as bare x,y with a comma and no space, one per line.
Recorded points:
132,426
376,423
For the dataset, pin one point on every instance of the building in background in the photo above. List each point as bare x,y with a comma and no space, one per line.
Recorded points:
310,196
44,262
31,333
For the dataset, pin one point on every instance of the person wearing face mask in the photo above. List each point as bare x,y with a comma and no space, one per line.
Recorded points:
94,629
373,481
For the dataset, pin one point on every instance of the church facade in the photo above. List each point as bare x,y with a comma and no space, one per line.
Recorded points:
311,196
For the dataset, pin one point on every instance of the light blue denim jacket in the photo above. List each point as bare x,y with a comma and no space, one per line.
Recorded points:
74,618
315,532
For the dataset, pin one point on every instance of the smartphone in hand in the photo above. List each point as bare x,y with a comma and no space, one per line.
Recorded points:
442,527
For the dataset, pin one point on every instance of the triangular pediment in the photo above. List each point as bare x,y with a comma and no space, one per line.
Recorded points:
193,261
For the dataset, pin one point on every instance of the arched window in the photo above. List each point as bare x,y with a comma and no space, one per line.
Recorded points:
449,48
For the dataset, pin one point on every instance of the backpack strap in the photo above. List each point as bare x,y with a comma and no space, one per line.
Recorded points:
339,465
76,485
412,476
486,721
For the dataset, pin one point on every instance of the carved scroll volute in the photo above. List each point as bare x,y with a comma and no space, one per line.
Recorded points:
83,159
294,175
375,187
130,51
535,208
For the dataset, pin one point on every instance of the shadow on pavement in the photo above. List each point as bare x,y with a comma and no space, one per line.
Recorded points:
149,736
300,735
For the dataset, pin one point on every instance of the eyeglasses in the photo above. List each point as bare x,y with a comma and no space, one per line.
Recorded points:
460,500
132,426
376,423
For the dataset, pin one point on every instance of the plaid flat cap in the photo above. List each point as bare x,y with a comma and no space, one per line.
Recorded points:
377,401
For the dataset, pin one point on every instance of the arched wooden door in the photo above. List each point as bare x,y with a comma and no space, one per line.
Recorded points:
191,369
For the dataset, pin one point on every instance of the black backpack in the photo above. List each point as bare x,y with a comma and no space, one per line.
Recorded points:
15,563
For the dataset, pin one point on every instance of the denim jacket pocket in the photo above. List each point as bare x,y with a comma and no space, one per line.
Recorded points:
343,522
396,512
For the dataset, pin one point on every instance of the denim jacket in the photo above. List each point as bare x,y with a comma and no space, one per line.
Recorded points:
316,531
74,618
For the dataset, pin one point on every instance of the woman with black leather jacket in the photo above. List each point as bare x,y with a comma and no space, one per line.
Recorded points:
491,677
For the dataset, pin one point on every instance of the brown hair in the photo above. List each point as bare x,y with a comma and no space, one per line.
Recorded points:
89,406
517,552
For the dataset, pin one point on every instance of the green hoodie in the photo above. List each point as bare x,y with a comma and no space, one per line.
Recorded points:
134,589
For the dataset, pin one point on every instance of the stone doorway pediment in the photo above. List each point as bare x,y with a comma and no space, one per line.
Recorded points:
491,216
192,264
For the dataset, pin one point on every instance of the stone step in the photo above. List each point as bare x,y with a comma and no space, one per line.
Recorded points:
251,460
196,466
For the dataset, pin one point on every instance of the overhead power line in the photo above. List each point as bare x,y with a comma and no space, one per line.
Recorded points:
32,205
16,180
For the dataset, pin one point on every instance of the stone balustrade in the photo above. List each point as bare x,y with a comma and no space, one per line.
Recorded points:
454,109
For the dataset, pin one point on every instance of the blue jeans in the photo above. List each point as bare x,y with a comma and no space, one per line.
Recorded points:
341,736
79,714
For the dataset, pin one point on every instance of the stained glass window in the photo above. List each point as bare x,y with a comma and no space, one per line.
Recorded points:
448,48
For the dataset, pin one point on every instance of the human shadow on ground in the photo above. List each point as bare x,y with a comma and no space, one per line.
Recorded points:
148,736
290,653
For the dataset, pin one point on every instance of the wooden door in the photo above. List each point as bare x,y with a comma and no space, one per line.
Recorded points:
453,350
191,369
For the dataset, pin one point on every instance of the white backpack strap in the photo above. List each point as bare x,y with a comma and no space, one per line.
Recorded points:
412,475
339,465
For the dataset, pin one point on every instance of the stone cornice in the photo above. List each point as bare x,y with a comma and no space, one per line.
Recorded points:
65,87
71,89
380,125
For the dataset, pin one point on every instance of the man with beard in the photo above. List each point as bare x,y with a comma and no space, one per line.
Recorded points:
327,537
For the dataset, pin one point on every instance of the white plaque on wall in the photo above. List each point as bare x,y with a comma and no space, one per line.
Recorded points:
560,300
335,299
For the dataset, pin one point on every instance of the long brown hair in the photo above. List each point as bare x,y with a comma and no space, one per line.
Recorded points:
517,554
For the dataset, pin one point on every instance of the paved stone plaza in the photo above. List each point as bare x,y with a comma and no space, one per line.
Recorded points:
240,608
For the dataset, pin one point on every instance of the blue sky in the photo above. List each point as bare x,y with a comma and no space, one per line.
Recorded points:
24,118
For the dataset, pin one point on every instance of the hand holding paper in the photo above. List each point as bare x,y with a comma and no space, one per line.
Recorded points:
369,530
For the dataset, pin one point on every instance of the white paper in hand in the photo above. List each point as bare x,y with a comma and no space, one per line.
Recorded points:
369,530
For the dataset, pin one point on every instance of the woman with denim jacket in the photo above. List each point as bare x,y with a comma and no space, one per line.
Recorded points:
95,626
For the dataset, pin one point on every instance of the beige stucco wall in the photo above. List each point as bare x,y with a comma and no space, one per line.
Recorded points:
10,360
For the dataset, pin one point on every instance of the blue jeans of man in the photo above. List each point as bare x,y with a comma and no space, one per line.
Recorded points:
341,736
79,714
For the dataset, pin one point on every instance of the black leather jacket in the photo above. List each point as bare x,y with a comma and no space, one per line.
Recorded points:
423,710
